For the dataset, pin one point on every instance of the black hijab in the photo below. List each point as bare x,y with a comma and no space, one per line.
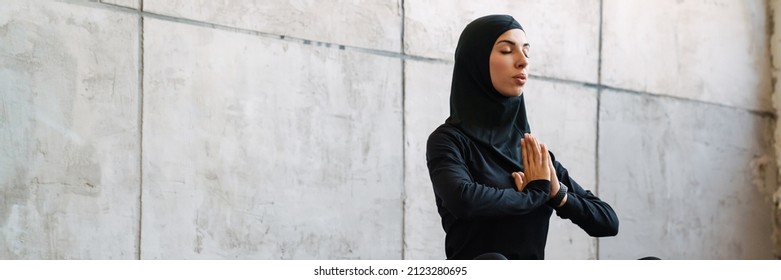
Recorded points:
476,107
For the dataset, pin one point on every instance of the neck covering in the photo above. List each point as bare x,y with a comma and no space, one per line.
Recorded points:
476,107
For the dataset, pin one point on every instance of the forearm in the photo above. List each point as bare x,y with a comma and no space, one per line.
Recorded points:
583,208
468,199
594,216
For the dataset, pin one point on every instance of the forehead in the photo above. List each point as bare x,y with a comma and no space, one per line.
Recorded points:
516,36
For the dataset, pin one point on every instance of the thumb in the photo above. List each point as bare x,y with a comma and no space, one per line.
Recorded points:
518,178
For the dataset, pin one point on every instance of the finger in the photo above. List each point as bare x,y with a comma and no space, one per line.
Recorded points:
530,149
550,160
523,180
552,168
524,154
518,181
550,164
536,154
545,161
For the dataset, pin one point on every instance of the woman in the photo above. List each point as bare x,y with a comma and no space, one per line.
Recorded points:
496,186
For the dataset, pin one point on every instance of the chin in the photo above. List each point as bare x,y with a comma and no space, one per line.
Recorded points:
512,93
517,91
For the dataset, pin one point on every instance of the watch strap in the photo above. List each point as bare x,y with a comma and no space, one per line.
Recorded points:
556,200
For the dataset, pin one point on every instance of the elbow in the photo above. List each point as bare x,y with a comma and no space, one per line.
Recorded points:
612,226
461,203
609,225
606,230
453,201
611,230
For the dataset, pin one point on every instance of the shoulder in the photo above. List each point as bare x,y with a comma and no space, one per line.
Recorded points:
447,134
447,140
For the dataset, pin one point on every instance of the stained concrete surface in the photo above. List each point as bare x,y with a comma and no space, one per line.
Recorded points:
69,173
374,24
714,51
258,148
135,4
427,100
688,181
775,47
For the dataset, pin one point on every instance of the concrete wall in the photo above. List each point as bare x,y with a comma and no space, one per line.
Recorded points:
685,149
69,159
296,129
775,52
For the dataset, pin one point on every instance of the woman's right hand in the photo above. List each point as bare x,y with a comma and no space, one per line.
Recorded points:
536,160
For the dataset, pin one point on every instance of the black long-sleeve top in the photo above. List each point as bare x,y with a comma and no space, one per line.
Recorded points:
482,212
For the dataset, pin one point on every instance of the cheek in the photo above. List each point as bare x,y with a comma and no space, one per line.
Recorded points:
501,64
499,68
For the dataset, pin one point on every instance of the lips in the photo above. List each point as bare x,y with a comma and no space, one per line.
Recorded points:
520,79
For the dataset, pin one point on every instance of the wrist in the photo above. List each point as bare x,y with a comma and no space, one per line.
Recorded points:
559,198
563,201
554,192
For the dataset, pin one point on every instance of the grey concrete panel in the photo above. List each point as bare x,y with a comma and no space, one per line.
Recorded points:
564,35
688,180
262,149
562,115
135,4
426,106
713,51
69,143
361,23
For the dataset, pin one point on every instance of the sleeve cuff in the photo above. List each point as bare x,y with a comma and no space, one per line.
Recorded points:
571,207
540,185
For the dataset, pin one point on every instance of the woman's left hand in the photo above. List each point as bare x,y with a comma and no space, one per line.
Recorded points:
519,177
554,181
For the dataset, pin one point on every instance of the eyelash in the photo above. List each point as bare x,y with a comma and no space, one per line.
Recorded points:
525,53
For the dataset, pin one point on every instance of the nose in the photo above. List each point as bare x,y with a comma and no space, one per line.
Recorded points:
521,61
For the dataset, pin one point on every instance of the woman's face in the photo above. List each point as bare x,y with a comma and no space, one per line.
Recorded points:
508,61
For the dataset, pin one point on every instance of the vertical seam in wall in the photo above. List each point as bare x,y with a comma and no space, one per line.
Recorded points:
599,101
403,136
140,124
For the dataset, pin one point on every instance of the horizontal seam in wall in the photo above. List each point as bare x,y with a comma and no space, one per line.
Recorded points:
286,38
392,54
765,114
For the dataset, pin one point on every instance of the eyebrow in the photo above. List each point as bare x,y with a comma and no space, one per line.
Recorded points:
512,43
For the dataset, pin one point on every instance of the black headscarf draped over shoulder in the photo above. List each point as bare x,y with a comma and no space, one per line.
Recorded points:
476,107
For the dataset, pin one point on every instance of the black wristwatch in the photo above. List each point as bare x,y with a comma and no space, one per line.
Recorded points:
556,200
